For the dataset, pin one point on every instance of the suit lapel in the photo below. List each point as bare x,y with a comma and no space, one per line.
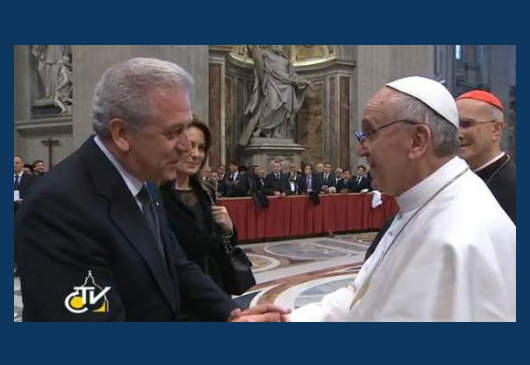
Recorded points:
126,215
132,224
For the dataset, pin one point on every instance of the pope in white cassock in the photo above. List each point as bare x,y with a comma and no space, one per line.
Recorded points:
449,254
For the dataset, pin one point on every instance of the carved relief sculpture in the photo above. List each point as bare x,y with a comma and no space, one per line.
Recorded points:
55,77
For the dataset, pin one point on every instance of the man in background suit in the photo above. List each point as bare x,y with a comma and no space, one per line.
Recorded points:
346,176
22,183
236,181
221,185
222,171
341,184
103,246
328,179
294,179
233,172
276,182
361,180
22,180
310,182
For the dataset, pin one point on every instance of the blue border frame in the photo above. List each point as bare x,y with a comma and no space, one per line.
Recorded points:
494,23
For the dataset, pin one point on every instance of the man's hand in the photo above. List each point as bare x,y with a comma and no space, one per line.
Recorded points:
260,313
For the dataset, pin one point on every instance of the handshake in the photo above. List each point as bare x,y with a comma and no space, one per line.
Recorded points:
260,313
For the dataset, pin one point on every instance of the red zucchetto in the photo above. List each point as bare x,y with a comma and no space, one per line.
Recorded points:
484,96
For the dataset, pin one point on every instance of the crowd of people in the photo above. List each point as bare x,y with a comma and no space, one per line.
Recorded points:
447,255
286,179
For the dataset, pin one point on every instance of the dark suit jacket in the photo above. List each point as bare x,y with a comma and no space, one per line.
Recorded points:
239,187
330,181
25,183
83,217
316,183
273,184
296,186
363,184
297,183
500,178
24,187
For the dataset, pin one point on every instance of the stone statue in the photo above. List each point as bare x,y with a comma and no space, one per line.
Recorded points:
277,95
65,86
55,75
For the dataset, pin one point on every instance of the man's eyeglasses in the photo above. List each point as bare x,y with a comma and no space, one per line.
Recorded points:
362,136
465,124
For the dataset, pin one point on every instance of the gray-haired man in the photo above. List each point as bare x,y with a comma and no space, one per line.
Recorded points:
97,245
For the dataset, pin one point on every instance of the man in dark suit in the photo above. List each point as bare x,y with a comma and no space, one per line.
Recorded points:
233,171
348,181
94,242
481,125
222,172
328,179
22,184
295,178
276,182
310,182
236,181
360,180
22,181
340,183
221,184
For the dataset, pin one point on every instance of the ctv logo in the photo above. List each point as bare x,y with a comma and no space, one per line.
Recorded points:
88,297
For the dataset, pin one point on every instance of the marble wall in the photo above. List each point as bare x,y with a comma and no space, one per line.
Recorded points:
89,62
215,101
380,64
310,124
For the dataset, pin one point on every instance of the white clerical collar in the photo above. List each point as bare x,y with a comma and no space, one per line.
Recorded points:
493,160
421,192
132,183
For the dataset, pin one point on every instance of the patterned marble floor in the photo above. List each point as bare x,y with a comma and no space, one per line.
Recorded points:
291,273
296,272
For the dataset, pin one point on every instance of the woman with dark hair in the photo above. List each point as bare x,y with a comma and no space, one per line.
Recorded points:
200,225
